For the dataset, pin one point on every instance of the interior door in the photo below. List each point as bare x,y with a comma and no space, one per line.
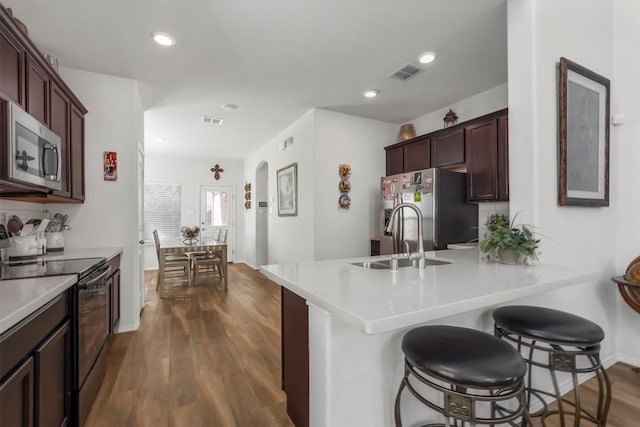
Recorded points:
216,212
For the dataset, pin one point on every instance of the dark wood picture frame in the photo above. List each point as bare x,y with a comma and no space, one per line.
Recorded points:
287,189
583,140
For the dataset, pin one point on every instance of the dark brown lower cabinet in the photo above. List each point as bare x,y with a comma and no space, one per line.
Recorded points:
36,368
295,356
16,397
113,289
53,370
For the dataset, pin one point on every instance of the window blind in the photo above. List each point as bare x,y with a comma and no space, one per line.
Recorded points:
162,210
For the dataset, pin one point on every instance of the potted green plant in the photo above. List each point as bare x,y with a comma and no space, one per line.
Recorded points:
508,243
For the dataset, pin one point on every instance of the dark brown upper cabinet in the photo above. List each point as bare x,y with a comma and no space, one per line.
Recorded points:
395,160
503,158
37,90
76,143
29,81
60,120
482,161
447,148
417,155
12,56
480,145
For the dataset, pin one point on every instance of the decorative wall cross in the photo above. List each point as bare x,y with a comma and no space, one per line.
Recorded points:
217,170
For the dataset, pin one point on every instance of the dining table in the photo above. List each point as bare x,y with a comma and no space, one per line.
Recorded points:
191,247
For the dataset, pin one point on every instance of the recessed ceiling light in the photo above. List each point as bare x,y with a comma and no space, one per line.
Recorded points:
427,57
161,140
371,93
230,107
163,39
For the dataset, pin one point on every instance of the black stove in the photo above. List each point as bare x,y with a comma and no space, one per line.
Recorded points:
79,266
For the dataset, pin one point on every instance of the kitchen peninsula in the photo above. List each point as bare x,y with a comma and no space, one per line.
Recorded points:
357,317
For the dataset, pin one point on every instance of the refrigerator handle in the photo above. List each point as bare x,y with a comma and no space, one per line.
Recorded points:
397,232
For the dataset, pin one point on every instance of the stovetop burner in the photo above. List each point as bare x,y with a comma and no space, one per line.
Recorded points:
80,266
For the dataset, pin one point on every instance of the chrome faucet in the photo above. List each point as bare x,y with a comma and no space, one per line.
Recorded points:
419,255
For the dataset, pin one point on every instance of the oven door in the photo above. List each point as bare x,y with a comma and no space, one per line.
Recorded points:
36,152
93,325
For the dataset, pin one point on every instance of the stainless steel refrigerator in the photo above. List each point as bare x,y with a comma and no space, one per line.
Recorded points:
441,197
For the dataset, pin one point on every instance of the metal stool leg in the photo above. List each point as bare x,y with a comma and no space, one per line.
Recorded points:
403,383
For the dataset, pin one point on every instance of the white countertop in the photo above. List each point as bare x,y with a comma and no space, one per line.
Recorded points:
108,253
21,297
376,301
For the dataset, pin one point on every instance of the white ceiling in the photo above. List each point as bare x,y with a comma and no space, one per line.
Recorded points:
275,59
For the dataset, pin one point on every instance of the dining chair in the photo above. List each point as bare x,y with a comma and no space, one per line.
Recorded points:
211,260
176,263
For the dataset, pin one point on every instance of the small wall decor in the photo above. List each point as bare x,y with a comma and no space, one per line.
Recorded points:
110,161
18,22
583,176
217,170
287,182
344,186
247,195
407,131
451,118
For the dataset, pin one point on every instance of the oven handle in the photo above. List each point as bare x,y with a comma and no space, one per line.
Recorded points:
105,273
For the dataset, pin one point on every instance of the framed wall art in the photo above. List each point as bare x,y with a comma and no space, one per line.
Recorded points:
110,165
583,175
287,182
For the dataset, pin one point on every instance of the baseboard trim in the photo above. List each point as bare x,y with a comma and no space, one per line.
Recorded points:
128,328
629,360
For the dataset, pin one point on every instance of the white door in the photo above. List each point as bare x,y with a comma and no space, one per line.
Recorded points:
140,254
216,212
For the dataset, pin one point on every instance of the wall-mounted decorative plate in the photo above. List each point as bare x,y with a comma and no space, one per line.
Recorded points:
344,171
344,201
344,185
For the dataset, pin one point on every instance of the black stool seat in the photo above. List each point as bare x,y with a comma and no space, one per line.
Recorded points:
463,356
548,324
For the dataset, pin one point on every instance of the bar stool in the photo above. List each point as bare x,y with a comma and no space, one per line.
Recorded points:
477,377
558,342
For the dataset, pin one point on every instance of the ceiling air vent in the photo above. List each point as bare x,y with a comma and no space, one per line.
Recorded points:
405,72
211,120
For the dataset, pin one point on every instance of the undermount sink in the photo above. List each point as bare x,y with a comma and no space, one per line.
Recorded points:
385,264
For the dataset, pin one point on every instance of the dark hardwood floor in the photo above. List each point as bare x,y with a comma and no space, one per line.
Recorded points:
202,357
206,357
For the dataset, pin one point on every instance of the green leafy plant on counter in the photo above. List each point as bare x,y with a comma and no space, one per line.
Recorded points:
509,243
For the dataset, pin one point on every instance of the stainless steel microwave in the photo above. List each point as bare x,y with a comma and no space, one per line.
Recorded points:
35,152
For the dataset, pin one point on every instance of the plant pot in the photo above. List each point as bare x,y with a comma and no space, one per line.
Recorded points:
509,256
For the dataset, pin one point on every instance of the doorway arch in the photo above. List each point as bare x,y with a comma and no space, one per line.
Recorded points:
262,213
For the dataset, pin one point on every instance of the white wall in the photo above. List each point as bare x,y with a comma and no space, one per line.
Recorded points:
322,140
477,105
261,214
108,217
537,39
191,172
625,153
290,238
358,142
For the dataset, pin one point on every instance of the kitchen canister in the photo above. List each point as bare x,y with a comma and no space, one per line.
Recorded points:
55,241
22,248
